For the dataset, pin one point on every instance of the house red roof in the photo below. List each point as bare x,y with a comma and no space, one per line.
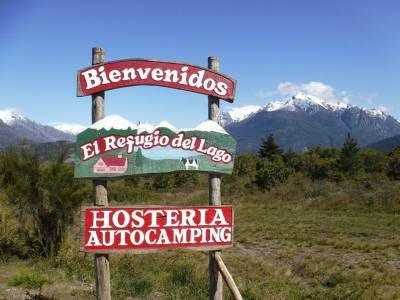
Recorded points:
114,161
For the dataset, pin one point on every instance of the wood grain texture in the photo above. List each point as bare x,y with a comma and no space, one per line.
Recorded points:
187,77
214,194
139,250
227,277
101,262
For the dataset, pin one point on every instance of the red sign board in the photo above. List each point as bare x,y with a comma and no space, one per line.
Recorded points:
150,229
130,72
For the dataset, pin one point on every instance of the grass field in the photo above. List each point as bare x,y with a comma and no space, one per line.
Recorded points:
301,240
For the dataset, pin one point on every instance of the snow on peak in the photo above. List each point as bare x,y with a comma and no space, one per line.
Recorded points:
113,121
68,128
10,116
240,113
304,101
210,126
376,113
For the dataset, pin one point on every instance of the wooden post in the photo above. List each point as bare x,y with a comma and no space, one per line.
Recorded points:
214,194
228,278
102,265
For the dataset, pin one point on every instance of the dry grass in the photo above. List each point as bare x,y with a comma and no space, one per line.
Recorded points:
301,240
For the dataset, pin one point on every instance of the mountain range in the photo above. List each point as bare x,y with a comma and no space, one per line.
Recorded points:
300,122
305,121
15,127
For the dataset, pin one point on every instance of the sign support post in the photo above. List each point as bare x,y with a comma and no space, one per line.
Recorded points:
214,193
101,262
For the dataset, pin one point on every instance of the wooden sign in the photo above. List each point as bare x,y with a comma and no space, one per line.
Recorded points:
150,229
105,152
131,72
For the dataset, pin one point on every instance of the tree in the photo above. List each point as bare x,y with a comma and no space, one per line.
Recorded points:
292,160
374,161
245,165
44,196
394,164
269,149
321,163
270,173
349,161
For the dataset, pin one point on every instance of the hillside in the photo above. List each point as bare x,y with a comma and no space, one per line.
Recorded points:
304,121
387,144
15,127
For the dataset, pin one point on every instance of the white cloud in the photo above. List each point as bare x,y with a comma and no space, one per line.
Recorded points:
263,94
314,88
383,108
288,88
371,98
15,110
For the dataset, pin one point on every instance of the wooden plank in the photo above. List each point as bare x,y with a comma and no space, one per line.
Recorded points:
129,72
227,277
139,220
102,265
126,152
214,194
150,251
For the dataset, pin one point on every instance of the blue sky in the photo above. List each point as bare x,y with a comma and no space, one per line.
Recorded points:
271,48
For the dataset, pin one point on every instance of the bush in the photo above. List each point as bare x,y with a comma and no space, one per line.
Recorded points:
44,195
270,174
394,164
374,161
333,280
320,163
28,280
139,287
245,165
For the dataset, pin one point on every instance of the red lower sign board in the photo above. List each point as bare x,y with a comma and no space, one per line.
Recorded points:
150,229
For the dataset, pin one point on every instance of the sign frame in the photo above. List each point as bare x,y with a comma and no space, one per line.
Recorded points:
137,159
155,250
229,98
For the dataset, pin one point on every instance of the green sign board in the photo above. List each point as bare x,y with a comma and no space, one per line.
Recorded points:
113,147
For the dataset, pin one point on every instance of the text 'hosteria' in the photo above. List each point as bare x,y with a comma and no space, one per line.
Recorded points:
157,227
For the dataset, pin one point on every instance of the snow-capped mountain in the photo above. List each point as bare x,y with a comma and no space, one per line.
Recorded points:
305,121
237,114
299,102
68,128
15,127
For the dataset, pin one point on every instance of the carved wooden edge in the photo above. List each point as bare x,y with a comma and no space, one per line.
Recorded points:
151,250
79,92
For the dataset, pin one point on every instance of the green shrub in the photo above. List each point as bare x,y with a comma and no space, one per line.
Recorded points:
394,164
44,195
374,161
321,163
270,174
139,287
245,165
28,280
333,280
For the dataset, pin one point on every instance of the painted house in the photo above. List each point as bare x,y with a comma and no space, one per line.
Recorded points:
110,165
